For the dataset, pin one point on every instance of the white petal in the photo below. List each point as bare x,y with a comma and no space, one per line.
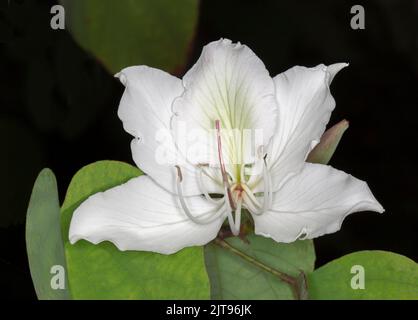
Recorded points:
313,203
305,106
145,110
231,84
140,215
145,106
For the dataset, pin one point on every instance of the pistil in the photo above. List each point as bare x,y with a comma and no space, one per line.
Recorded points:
233,197
222,165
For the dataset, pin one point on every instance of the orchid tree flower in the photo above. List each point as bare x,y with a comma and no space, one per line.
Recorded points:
202,170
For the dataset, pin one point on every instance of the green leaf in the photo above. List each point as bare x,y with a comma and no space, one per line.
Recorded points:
387,275
324,150
257,273
103,272
124,33
43,238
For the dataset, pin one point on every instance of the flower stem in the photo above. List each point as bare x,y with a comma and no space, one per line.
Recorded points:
299,292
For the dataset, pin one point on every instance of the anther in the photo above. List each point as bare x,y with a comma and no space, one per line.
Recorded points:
179,174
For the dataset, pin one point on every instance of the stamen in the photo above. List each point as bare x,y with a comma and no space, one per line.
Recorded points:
238,217
179,174
215,213
242,174
207,174
204,189
222,165
267,188
228,210
250,195
253,205
234,225
221,162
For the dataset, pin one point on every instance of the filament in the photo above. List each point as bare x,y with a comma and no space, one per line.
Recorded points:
222,165
216,213
267,188
204,189
237,224
253,205
234,224
230,205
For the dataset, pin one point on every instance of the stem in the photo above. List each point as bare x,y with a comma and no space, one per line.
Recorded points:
281,275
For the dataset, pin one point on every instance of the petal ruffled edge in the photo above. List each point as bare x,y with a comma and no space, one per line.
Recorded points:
140,215
145,110
313,203
305,106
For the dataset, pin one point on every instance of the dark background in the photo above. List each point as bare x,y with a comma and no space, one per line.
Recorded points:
58,108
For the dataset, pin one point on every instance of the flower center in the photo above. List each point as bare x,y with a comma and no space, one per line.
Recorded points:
234,198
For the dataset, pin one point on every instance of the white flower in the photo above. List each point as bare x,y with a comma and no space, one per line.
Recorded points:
184,201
